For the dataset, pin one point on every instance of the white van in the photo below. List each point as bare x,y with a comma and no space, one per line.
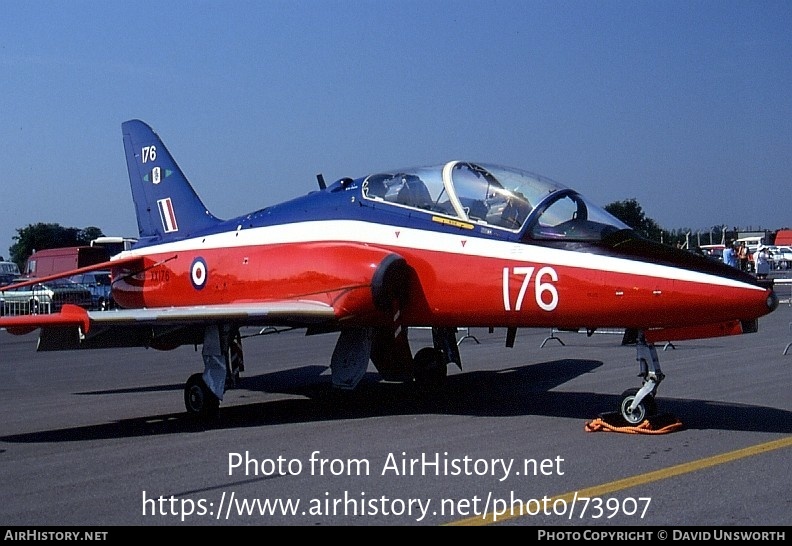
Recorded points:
114,245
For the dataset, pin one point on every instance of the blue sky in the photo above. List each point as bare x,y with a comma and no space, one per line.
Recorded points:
685,106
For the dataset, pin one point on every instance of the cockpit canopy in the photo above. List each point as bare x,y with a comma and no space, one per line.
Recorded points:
495,196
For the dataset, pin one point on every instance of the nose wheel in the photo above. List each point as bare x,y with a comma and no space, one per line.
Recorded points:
647,407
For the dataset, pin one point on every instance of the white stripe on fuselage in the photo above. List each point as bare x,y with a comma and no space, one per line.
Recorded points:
386,236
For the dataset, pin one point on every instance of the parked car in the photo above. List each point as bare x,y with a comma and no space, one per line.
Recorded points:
44,297
714,252
98,283
8,272
780,257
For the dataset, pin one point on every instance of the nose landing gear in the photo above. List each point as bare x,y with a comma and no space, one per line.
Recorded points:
637,404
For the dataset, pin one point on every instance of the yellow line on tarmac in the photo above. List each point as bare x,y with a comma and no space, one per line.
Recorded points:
640,479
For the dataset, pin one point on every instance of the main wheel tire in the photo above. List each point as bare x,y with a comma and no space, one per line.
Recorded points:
646,408
429,370
198,399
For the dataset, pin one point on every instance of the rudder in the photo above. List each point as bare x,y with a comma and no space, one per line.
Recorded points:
166,205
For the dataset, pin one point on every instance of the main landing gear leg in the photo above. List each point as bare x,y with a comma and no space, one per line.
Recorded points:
638,404
351,357
235,360
222,356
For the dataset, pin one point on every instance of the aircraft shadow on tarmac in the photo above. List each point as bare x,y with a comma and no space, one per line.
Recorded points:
515,391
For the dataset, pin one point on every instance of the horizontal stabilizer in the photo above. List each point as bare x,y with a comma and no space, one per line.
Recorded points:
64,274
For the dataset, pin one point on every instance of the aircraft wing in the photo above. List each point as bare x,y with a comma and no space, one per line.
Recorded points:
164,327
301,312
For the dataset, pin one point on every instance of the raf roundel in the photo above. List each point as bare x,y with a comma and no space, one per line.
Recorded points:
198,273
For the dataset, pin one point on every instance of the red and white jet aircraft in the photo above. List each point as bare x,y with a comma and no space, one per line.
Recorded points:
459,244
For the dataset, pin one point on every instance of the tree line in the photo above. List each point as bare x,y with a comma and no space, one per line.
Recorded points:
42,236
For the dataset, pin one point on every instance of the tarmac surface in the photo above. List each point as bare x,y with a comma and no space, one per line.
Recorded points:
95,438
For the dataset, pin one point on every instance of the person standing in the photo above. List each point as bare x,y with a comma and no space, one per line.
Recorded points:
742,256
729,255
762,261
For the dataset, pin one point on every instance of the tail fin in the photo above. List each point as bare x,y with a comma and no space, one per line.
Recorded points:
167,207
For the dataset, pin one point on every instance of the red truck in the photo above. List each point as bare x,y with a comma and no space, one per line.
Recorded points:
57,260
783,237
